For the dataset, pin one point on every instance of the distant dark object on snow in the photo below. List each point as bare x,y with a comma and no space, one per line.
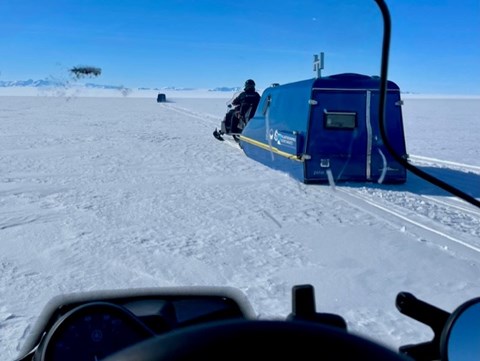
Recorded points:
161,98
85,71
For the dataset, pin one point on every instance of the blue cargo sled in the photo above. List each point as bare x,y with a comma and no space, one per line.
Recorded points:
327,128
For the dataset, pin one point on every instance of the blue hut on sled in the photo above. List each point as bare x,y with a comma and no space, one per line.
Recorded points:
325,129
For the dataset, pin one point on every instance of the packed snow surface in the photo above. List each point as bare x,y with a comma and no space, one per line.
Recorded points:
109,193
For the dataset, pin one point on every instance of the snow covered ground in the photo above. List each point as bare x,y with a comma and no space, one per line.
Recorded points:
107,193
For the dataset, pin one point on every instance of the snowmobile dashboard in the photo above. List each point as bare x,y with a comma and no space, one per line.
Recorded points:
91,326
186,323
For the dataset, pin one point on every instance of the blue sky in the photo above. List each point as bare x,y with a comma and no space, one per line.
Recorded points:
210,43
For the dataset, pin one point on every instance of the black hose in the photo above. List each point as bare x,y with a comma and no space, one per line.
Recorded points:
387,30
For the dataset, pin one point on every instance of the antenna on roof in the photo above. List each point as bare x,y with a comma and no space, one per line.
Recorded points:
318,64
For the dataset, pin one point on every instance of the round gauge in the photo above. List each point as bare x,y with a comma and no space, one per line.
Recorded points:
92,332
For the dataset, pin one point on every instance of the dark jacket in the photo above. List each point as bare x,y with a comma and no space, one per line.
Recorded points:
247,100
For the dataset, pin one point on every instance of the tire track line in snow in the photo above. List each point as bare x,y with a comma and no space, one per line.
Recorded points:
460,205
191,114
462,208
372,203
408,219
201,116
422,159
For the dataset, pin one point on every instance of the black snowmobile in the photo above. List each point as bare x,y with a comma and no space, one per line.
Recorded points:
235,119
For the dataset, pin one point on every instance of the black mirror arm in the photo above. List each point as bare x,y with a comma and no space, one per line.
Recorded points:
387,30
427,314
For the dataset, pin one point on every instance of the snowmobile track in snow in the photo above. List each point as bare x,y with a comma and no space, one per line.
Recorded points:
409,207
202,116
426,160
454,203
432,226
197,115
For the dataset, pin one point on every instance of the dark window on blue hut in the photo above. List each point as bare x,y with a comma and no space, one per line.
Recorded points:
340,120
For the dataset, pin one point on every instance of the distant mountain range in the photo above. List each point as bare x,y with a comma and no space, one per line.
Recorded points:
52,83
31,83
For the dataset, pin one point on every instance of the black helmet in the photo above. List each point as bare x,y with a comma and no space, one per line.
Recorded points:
249,84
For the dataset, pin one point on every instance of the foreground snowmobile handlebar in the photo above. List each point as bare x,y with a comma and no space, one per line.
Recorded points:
187,323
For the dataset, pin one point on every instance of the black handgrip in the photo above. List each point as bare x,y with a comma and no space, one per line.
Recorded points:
304,309
303,300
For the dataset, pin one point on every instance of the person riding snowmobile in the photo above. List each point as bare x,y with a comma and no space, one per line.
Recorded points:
243,108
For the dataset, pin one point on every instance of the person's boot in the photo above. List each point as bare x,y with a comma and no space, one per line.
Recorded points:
218,134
